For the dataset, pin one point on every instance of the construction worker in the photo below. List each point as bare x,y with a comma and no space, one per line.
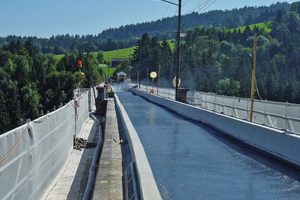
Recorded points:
105,89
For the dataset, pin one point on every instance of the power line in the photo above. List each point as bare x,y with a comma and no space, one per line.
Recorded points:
185,3
165,11
204,6
208,6
205,2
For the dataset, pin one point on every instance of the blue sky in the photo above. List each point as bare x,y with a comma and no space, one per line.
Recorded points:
44,18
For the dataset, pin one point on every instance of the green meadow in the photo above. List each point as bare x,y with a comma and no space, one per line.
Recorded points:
107,70
259,25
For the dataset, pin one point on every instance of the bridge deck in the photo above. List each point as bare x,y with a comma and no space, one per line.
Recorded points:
191,161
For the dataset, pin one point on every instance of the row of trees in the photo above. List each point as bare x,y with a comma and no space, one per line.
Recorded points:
126,36
31,81
220,61
61,44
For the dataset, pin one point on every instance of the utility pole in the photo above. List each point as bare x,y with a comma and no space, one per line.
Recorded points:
253,77
178,44
178,49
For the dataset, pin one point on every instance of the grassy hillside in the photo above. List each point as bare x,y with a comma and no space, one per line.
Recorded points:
259,25
111,70
120,53
126,53
172,43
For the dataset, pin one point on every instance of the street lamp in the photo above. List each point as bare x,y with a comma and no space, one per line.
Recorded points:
153,76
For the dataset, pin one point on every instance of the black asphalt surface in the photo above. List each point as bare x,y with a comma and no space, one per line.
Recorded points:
192,161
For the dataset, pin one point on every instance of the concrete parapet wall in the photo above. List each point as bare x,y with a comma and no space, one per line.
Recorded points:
275,142
148,186
37,151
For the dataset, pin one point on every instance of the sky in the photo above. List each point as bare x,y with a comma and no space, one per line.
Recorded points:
46,18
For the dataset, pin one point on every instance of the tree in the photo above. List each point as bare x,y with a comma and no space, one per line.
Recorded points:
58,50
31,101
32,50
292,22
228,87
90,71
100,57
250,19
166,60
279,16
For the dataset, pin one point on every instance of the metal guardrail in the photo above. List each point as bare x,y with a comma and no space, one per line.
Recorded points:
130,183
279,115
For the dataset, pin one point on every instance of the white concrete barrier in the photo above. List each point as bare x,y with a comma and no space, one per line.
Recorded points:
278,143
148,186
31,156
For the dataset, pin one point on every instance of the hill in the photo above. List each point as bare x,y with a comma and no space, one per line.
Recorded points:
127,35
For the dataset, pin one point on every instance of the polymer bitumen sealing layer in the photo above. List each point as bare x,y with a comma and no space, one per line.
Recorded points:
108,184
192,161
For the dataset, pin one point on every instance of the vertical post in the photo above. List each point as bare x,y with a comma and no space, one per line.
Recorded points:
79,67
265,115
215,108
147,79
140,63
108,68
223,104
286,120
158,78
152,84
94,94
253,77
178,49
233,108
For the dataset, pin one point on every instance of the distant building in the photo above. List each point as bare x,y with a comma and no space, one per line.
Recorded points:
116,61
182,35
102,65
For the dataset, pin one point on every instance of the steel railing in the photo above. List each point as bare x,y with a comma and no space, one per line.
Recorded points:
280,115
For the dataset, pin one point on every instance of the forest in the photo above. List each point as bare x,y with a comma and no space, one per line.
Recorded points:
127,35
31,81
220,61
